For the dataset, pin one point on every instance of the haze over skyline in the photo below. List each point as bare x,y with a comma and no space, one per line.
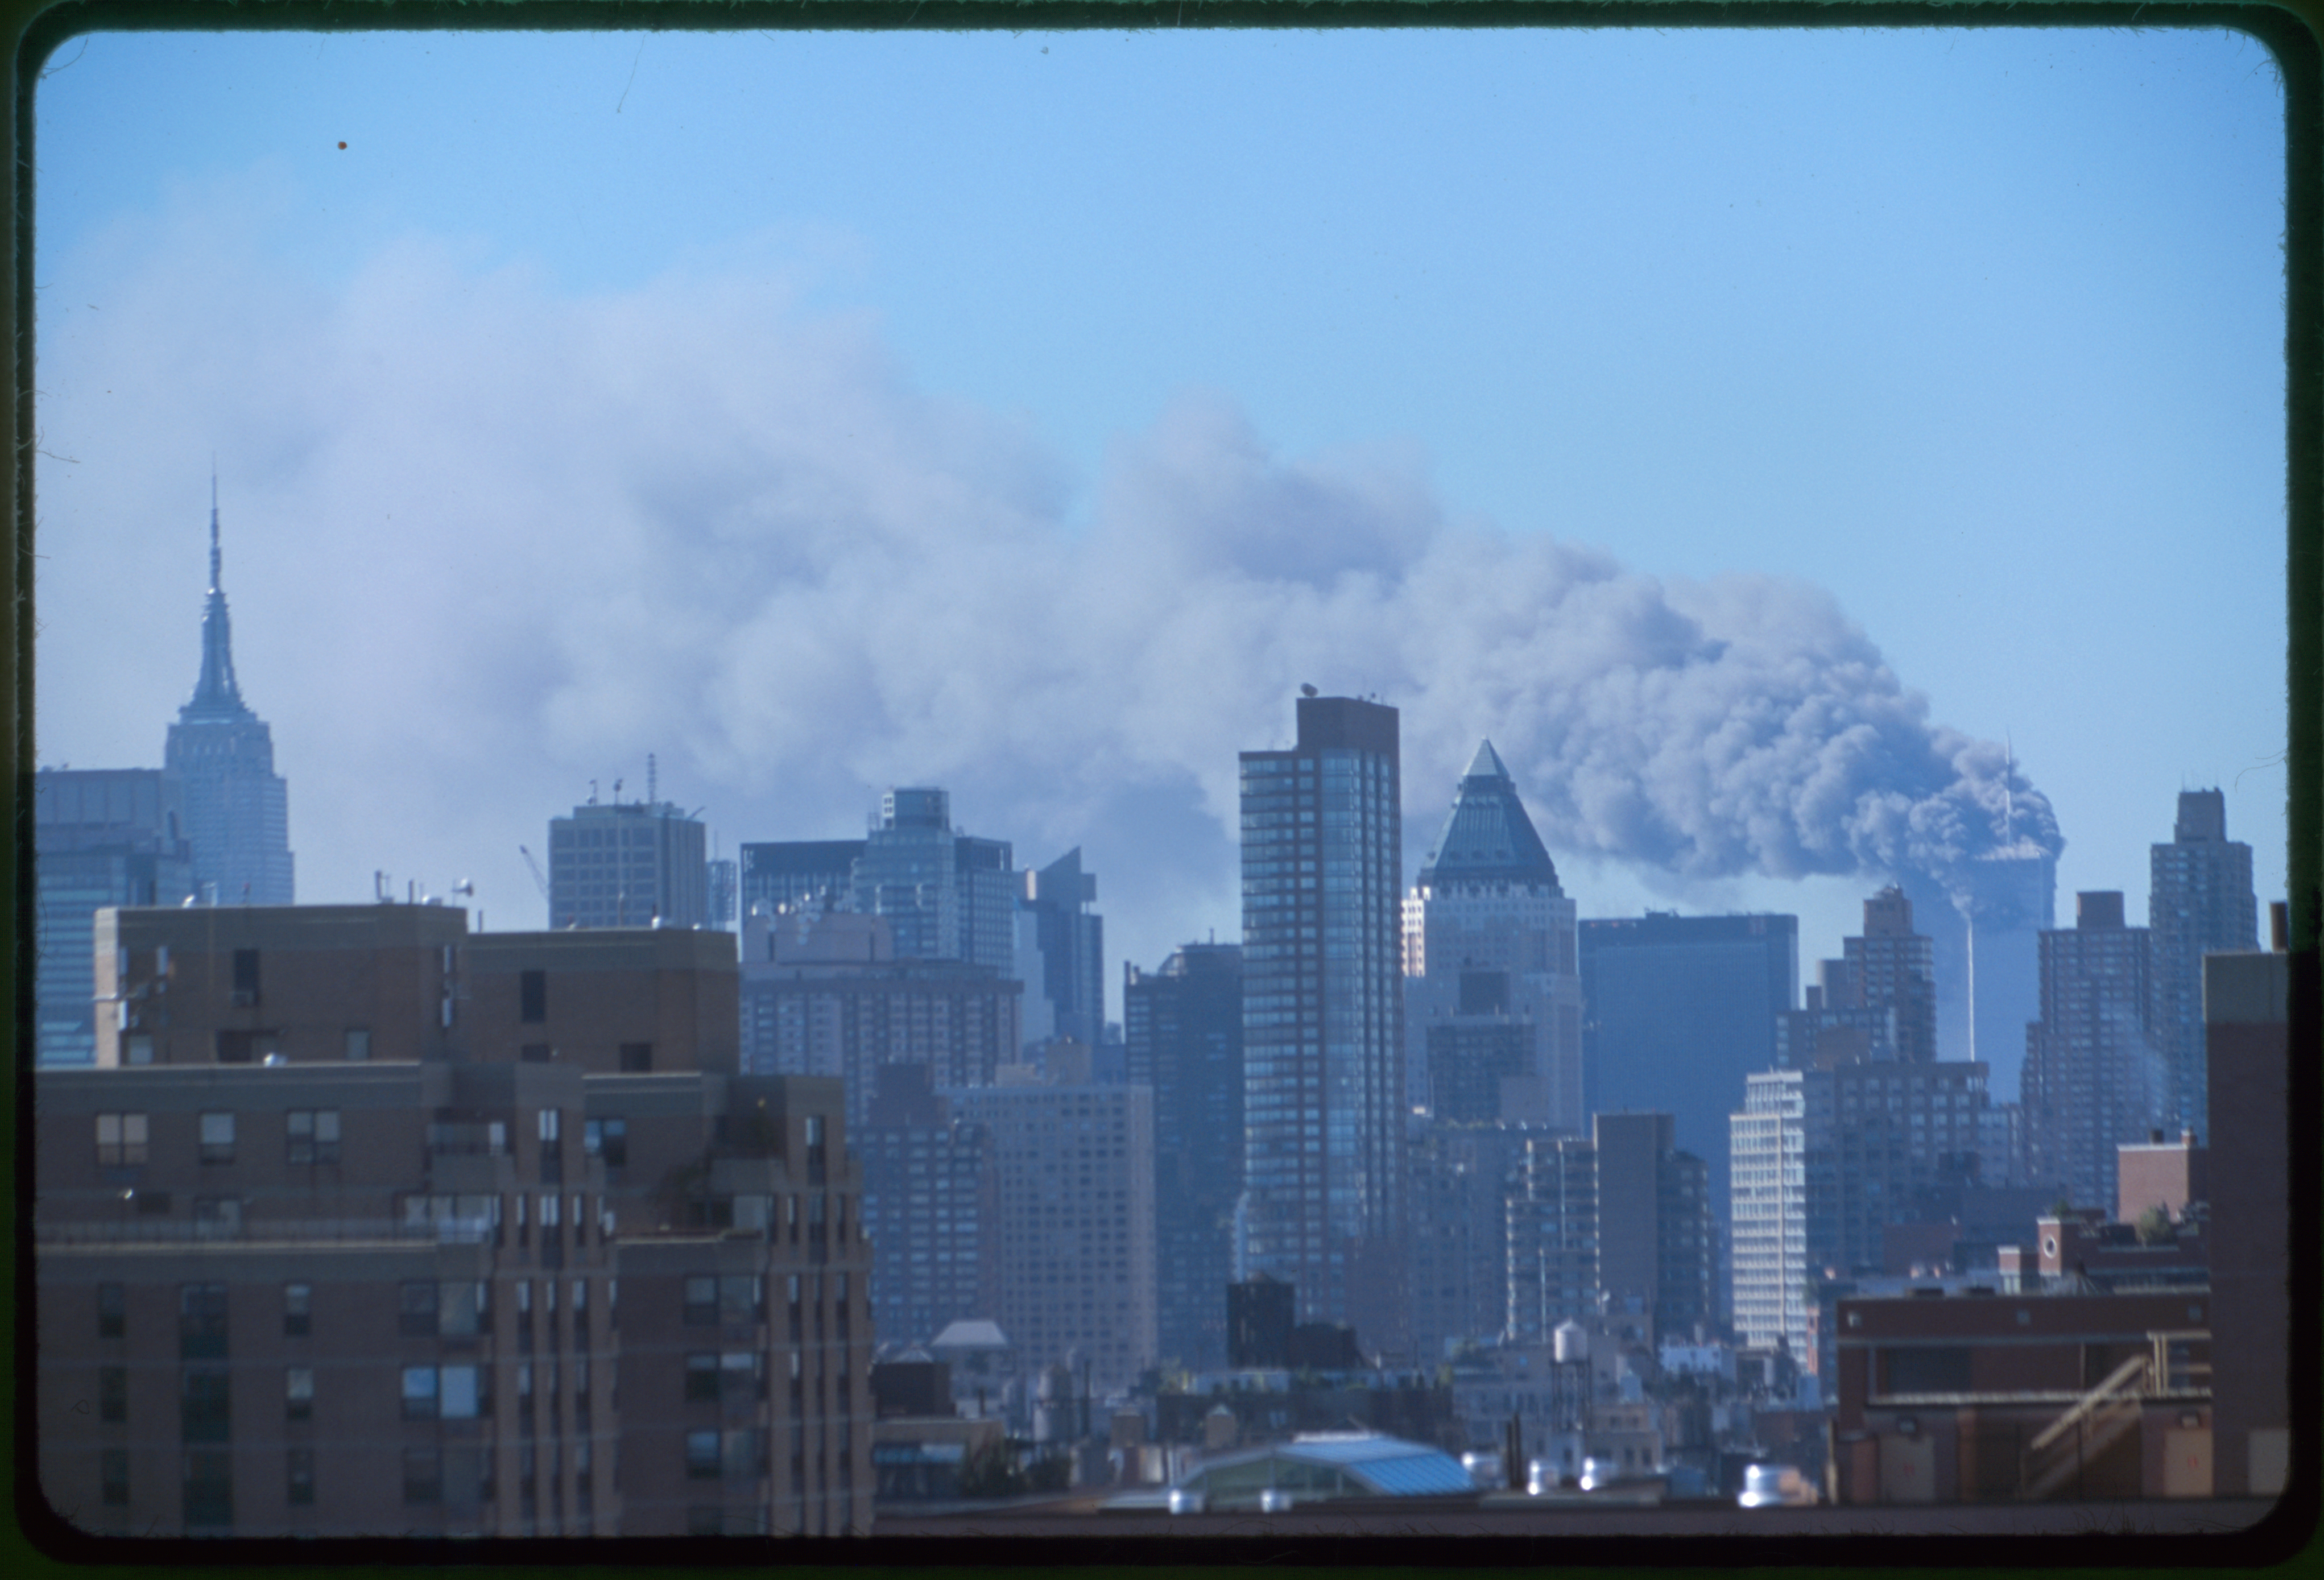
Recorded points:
1803,417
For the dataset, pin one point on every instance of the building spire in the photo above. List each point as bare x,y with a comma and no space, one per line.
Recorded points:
216,694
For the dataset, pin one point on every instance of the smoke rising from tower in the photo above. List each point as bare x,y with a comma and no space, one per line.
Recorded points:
796,576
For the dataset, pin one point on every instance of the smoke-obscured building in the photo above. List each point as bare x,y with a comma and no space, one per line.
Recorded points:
2094,1075
1679,1010
932,1208
1324,1097
823,993
105,837
947,896
1070,940
1984,943
1183,1030
1076,1169
628,865
1492,990
237,808
2199,902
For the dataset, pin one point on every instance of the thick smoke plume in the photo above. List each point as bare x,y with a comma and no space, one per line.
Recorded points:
486,543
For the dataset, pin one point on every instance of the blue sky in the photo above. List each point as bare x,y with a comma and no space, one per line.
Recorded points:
1031,414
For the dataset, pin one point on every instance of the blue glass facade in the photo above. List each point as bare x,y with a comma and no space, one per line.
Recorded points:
1323,1016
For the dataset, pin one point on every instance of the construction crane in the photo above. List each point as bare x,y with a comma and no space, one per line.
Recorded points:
539,878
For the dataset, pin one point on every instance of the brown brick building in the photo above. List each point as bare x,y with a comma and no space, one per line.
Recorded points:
487,1268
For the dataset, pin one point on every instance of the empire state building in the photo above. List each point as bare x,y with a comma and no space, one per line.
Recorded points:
237,816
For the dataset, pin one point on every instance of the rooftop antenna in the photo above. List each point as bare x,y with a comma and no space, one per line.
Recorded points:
652,793
617,792
214,524
593,792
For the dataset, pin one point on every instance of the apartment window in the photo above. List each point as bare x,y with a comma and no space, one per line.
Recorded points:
532,997
112,1477
113,1394
218,1217
298,1310
461,1394
701,1301
464,1307
637,1057
701,1377
139,1046
112,1311
246,976
419,1393
206,1411
702,1461
741,1297
313,1135
299,1393
358,1042
743,1375
299,1476
121,1139
548,1120
209,1487
608,1138
418,1319
218,1137
201,1321
423,1475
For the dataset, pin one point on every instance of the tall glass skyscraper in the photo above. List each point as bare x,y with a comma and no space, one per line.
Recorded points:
1323,1085
221,755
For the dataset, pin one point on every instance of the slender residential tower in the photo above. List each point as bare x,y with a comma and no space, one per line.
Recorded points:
237,809
1324,1103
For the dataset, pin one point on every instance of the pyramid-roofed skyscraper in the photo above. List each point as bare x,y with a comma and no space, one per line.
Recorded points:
1493,992
237,809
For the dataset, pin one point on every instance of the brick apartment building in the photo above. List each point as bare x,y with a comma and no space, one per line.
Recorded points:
363,1225
2103,1362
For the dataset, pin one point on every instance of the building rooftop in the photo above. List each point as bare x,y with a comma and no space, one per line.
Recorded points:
1487,838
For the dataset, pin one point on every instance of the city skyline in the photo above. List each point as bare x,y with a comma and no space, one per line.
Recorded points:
454,620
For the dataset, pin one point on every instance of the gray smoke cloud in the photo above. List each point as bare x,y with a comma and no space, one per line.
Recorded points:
487,541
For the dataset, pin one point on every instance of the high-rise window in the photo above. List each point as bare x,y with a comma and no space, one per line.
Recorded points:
423,1475
312,1135
120,1140
112,1477
217,1138
298,1310
532,997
